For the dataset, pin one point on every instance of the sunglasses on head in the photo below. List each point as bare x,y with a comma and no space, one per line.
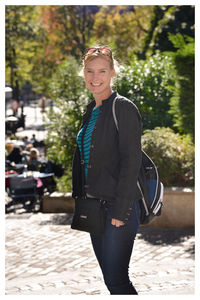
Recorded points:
102,50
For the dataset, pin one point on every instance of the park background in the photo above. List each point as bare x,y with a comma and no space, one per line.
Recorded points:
154,45
152,81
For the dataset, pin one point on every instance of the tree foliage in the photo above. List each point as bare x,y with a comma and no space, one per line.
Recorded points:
146,83
21,44
68,29
69,95
122,27
167,19
182,101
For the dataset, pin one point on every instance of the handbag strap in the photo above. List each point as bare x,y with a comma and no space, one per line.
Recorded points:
114,113
82,158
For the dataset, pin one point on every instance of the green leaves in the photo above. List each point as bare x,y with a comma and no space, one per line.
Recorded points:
173,155
182,101
146,83
69,96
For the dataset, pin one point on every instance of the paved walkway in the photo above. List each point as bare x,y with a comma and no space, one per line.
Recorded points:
45,257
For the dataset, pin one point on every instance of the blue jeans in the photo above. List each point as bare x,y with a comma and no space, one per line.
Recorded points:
113,251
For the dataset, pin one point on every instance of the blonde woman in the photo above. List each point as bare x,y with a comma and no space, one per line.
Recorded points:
112,163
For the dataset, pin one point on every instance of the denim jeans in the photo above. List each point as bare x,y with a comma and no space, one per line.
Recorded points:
113,251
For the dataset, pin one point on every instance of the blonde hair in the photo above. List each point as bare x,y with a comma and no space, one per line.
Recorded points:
96,54
34,153
92,56
9,147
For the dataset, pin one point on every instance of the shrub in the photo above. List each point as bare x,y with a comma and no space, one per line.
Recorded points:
69,95
173,154
146,82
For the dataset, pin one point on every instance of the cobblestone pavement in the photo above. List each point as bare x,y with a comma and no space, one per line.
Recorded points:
45,257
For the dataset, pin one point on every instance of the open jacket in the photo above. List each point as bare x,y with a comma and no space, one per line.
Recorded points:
115,157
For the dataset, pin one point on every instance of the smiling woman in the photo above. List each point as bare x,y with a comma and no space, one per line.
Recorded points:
98,75
98,70
105,170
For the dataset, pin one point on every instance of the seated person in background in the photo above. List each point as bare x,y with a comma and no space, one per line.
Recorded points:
26,153
34,141
15,155
9,148
34,163
26,141
29,147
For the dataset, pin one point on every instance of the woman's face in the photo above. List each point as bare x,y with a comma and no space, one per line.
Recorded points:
98,75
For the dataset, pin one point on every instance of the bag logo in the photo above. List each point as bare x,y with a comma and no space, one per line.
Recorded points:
83,217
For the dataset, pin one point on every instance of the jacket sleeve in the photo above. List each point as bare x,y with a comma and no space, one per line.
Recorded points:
129,133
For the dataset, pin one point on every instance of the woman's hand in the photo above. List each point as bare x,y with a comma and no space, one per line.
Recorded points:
117,223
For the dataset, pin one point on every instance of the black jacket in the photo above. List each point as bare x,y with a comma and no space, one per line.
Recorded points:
115,157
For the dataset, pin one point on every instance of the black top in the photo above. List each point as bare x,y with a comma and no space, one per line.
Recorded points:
115,156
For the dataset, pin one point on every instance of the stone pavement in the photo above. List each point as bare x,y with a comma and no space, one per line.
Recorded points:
45,257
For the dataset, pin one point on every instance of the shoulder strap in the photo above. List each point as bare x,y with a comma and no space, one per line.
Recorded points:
82,158
114,113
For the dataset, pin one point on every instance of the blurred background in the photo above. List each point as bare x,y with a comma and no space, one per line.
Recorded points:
44,102
45,96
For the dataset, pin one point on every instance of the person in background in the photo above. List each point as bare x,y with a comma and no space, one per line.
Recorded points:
34,141
9,148
15,155
34,163
26,141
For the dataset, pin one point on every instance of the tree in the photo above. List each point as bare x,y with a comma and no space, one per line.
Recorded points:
123,28
182,101
21,43
156,16
168,19
178,19
66,32
68,29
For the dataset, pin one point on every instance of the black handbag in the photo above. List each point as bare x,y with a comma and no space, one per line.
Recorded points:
90,213
89,216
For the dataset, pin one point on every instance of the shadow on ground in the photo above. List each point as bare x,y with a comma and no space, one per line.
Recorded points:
59,220
153,235
165,235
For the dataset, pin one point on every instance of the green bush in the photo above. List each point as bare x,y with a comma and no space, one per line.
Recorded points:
182,101
173,154
146,83
69,95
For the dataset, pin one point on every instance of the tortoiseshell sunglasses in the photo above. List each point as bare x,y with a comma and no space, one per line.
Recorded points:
102,50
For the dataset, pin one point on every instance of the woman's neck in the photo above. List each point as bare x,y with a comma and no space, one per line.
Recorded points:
100,97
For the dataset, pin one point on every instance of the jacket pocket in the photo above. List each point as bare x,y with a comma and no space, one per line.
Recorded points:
106,184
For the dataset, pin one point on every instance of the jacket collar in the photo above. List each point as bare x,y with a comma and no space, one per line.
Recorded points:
92,104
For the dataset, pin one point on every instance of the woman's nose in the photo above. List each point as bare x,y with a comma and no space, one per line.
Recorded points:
95,77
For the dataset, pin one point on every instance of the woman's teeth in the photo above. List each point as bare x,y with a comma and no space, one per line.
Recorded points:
96,84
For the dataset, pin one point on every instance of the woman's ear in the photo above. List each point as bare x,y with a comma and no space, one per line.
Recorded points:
113,73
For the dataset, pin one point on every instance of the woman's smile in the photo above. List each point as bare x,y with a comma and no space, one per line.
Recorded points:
96,84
